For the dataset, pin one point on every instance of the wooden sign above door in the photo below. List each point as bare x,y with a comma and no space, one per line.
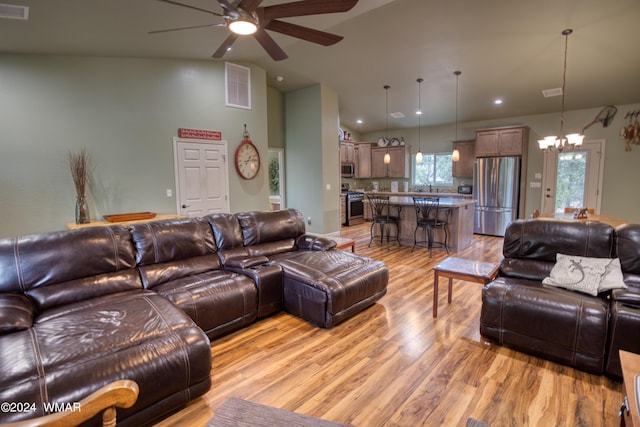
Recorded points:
200,134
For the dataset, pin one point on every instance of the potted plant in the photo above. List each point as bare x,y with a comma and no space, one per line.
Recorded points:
78,166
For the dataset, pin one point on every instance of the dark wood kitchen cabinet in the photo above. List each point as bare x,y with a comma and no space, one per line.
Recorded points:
463,168
362,156
399,167
508,141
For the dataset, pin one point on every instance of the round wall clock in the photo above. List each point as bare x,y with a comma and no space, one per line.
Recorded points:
247,159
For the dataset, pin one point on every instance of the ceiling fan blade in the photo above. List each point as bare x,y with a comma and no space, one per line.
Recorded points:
187,28
270,45
304,33
225,46
191,7
307,7
250,5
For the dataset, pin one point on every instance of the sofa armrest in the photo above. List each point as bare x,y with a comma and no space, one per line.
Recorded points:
248,262
314,243
629,296
16,313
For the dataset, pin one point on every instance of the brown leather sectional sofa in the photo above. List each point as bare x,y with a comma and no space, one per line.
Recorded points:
565,326
80,309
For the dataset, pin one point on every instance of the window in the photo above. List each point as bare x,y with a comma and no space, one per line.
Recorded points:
435,169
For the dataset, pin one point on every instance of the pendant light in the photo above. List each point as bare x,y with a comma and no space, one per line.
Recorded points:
419,113
455,156
387,156
566,141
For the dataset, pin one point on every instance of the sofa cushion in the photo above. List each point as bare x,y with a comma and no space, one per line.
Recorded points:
77,290
156,274
585,274
16,313
172,240
557,324
327,287
266,227
218,301
627,244
74,349
530,246
86,258
173,249
314,243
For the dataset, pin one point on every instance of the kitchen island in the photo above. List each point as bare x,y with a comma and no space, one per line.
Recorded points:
460,217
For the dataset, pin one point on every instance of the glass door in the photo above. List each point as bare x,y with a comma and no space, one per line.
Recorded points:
573,178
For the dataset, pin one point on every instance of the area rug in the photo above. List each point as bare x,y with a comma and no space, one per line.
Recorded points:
241,413
475,423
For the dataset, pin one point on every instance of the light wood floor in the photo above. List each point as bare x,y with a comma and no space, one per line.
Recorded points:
395,365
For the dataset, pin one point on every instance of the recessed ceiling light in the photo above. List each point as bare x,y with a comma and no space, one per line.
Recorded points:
397,115
497,101
359,121
548,93
419,112
11,11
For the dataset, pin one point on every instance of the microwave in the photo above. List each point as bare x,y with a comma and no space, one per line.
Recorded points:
465,189
347,169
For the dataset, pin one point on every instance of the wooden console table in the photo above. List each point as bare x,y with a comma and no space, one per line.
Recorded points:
74,226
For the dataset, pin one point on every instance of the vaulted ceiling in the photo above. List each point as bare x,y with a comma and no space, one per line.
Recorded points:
508,49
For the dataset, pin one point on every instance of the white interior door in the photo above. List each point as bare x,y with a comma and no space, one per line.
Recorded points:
573,178
201,172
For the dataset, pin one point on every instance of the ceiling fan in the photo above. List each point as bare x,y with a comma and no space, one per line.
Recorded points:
247,17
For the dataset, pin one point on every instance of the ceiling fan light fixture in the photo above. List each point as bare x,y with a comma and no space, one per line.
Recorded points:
243,27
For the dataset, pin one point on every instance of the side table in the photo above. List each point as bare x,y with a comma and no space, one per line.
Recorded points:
461,269
630,371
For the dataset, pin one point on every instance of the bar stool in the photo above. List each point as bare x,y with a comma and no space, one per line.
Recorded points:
381,213
429,217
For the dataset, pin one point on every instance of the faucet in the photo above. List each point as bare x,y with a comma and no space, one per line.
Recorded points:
430,188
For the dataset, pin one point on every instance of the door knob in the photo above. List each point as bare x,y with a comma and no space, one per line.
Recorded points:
185,206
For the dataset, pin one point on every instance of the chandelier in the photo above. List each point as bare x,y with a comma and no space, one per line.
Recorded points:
571,140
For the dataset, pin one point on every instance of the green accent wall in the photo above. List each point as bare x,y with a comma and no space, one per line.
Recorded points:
125,113
312,156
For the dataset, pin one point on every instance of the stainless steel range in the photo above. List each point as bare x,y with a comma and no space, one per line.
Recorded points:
355,207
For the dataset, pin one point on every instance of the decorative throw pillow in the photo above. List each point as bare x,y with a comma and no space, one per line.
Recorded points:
585,274
612,277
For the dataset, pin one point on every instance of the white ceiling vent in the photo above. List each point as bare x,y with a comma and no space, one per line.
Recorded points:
238,85
397,115
548,93
11,11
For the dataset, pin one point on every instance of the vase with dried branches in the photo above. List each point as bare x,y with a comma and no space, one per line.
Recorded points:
78,165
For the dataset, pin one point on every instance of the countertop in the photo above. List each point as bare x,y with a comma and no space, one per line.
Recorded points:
446,202
420,194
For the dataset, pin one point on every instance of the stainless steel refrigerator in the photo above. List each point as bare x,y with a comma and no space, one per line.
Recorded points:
496,188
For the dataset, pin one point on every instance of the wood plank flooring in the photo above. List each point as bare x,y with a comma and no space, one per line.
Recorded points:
395,365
